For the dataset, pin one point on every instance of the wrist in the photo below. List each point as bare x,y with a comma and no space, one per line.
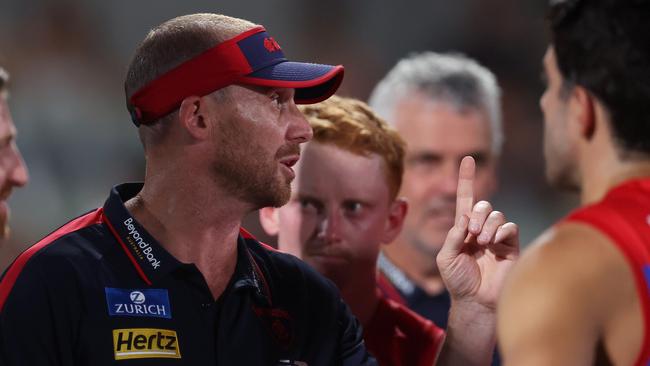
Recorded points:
472,312
471,335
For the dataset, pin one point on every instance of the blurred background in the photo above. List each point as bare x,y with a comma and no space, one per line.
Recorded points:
68,58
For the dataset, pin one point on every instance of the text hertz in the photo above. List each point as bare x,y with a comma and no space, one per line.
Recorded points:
145,343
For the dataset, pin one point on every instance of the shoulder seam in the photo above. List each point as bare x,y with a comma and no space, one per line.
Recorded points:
12,273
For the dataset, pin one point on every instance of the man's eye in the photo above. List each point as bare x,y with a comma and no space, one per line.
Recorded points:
352,207
275,98
309,206
423,162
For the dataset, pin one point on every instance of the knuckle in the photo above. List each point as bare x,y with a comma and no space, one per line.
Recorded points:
498,215
482,206
514,226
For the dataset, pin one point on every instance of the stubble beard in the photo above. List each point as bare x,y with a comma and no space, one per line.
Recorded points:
254,181
252,177
422,246
561,169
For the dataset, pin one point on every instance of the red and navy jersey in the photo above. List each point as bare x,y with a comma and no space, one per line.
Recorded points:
102,291
624,216
397,336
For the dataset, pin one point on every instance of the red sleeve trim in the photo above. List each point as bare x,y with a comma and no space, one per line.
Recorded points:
8,281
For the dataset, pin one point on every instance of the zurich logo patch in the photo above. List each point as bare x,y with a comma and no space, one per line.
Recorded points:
153,303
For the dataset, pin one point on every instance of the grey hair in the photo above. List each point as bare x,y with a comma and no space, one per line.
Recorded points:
451,78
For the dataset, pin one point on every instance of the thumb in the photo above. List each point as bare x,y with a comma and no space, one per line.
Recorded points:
455,239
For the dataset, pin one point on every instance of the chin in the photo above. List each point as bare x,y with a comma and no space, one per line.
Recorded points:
327,265
4,231
563,180
429,245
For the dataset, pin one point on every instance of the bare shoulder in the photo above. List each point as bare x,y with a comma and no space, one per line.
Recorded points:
561,295
575,252
571,261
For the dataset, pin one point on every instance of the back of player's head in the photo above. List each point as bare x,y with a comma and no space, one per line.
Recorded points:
351,125
169,45
604,46
448,78
177,40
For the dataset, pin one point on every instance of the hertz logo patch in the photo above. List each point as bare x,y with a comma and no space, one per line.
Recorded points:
145,343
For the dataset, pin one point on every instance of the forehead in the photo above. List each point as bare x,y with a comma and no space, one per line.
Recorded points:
326,169
440,126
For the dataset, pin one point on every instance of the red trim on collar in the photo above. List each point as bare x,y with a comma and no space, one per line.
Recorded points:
126,250
246,235
388,290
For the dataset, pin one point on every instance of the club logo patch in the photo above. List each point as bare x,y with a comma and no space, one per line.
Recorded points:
153,303
145,343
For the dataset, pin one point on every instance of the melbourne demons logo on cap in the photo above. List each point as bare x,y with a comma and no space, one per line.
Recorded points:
271,45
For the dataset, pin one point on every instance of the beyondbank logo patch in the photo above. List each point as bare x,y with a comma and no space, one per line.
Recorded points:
153,303
145,343
141,247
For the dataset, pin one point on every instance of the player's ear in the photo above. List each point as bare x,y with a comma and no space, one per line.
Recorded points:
270,220
395,220
581,110
192,116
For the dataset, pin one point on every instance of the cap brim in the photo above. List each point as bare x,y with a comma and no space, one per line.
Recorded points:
313,82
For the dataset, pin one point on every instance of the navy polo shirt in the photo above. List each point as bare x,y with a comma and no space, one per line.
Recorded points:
100,290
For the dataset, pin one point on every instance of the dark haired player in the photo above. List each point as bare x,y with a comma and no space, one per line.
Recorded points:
580,295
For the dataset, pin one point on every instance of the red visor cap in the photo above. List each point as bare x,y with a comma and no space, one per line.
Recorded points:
252,58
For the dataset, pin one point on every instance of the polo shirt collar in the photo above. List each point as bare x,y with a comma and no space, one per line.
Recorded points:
153,262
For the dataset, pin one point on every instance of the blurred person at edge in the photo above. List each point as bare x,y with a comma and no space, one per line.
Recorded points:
580,294
13,172
339,229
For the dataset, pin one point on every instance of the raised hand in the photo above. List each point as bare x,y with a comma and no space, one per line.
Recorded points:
481,247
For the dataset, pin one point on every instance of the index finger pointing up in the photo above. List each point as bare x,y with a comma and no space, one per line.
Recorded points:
465,190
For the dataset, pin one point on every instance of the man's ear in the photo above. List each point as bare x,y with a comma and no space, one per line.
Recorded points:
192,117
395,220
270,220
581,110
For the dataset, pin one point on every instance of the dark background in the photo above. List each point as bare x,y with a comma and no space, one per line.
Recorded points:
68,59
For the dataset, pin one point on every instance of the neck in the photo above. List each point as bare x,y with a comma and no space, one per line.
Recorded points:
359,291
192,220
601,174
419,267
